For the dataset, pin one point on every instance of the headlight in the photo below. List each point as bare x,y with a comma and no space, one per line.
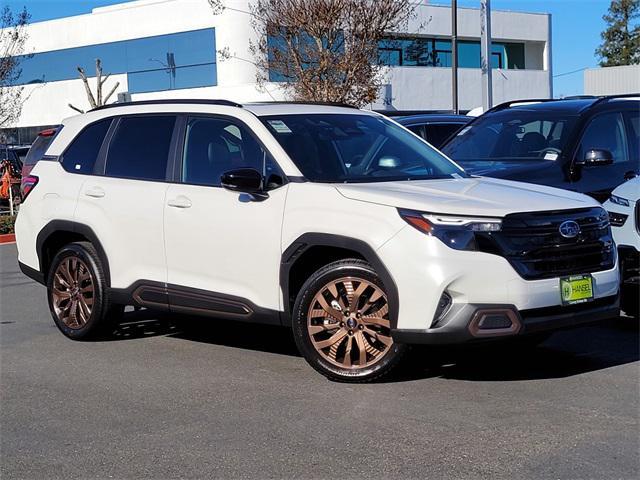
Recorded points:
455,231
619,200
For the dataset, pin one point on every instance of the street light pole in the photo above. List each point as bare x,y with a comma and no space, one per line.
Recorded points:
485,54
454,56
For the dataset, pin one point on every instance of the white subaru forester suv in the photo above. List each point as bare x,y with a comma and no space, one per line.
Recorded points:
335,221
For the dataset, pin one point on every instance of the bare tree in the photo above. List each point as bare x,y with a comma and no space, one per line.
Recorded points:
98,99
324,50
13,36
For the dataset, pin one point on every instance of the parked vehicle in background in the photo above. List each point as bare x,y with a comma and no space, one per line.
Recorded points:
331,220
624,213
589,145
11,160
434,128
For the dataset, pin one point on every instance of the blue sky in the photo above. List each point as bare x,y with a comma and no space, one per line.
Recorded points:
576,28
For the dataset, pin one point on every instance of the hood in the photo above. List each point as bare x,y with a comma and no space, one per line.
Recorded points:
467,196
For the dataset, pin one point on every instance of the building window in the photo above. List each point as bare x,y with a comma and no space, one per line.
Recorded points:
163,62
433,52
281,65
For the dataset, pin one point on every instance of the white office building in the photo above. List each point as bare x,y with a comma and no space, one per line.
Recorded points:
172,49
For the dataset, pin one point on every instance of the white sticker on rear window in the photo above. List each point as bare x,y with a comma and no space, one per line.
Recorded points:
279,126
551,156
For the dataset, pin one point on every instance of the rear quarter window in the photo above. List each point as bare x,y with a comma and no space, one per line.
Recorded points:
81,155
39,148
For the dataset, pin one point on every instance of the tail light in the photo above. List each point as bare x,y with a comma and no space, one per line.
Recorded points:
28,183
49,132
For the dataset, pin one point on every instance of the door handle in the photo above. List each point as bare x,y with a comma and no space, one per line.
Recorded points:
95,192
179,202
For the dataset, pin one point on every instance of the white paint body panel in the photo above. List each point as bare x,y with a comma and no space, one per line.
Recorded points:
627,234
128,221
225,242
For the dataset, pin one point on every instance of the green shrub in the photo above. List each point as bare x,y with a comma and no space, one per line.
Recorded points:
6,223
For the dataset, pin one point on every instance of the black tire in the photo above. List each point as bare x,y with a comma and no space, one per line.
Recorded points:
102,312
358,271
630,299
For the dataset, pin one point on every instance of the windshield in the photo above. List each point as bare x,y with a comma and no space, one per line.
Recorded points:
357,148
512,135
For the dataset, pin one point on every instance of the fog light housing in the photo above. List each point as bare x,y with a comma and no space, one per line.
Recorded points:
494,322
444,305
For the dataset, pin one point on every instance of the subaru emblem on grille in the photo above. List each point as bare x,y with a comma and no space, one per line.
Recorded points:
569,229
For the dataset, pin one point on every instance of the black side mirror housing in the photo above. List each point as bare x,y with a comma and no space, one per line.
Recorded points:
244,180
596,157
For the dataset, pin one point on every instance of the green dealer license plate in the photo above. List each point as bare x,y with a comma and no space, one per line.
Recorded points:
576,289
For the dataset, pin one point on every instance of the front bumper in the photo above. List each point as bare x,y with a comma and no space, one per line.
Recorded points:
423,268
462,326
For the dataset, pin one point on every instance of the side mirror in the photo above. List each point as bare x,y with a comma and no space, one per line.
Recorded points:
595,158
243,180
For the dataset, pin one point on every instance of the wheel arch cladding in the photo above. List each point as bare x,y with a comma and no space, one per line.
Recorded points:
311,251
58,233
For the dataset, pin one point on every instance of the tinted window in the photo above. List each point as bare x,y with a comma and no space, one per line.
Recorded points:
434,52
437,134
38,149
513,135
633,119
356,148
214,146
81,155
418,130
140,148
605,132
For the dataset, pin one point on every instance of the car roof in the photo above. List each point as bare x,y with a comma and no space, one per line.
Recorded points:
433,118
569,105
257,108
292,108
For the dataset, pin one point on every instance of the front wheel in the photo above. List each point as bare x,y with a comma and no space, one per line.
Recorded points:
341,323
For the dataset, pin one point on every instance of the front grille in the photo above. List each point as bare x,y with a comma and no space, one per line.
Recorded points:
532,243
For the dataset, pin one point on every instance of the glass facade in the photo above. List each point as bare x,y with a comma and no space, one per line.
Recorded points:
163,62
433,52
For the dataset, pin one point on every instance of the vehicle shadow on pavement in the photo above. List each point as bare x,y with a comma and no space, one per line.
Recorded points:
258,337
567,353
147,323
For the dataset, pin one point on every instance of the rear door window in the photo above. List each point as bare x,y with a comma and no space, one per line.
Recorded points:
139,148
81,155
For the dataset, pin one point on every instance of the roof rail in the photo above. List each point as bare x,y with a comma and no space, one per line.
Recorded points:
163,101
302,102
506,105
606,98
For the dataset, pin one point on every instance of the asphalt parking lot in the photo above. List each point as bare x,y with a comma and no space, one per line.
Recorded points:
173,397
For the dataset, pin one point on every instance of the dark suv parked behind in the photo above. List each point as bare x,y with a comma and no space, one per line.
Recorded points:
435,128
588,144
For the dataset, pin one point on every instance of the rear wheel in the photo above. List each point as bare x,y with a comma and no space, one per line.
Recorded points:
77,292
341,323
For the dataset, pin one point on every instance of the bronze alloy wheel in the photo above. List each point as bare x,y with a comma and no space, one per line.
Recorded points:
348,323
73,292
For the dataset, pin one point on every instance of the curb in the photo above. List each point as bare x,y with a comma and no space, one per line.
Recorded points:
7,238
